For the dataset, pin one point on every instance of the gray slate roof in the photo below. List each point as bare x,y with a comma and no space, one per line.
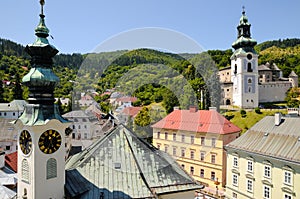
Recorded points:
265,138
121,165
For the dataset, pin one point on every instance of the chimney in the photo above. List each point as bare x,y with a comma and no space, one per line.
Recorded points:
213,108
2,159
176,108
277,119
193,109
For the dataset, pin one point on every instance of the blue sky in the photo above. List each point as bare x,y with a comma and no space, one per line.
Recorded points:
80,26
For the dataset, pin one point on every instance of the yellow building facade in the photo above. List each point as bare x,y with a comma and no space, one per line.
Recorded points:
199,151
265,161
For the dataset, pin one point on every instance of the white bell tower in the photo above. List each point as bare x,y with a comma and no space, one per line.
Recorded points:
244,67
41,135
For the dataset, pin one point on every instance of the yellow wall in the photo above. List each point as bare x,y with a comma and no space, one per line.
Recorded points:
188,146
276,181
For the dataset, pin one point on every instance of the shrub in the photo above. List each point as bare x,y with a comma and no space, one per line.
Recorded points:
257,110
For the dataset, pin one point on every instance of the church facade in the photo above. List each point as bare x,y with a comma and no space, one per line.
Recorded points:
245,84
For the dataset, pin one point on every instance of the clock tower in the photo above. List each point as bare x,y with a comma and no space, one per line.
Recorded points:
41,135
244,67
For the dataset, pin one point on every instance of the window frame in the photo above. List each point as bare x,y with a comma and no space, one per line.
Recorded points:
267,195
235,180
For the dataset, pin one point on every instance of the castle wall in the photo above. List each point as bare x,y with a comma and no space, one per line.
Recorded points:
273,91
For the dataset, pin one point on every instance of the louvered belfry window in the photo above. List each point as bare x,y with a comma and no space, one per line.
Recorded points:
25,171
51,168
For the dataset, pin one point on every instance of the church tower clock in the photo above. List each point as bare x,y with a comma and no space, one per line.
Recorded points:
244,67
41,136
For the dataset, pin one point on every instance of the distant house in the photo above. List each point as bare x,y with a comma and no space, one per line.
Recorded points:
120,165
265,161
128,113
8,180
86,100
8,136
195,138
13,109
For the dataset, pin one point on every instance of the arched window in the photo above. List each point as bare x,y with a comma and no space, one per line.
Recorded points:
25,171
51,168
249,67
249,81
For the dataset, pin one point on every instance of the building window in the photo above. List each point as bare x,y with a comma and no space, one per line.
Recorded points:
249,89
250,166
235,162
213,158
174,136
182,138
192,154
174,151
202,156
267,171
213,142
166,148
51,168
4,113
212,175
249,67
267,192
78,126
235,69
85,135
14,113
85,126
158,135
182,166
73,126
234,195
287,196
25,171
158,146
288,177
249,185
7,147
249,81
182,152
202,173
235,179
192,139
202,141
192,170
166,135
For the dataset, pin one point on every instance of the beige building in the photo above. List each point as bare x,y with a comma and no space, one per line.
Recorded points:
265,161
195,138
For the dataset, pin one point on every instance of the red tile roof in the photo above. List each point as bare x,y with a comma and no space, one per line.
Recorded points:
131,111
11,160
126,99
197,121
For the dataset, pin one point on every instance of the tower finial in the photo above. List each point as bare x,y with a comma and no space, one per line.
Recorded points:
243,10
42,2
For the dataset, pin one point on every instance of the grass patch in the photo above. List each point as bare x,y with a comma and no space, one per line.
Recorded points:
245,122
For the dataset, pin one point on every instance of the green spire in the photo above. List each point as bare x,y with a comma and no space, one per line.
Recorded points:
244,42
42,32
41,80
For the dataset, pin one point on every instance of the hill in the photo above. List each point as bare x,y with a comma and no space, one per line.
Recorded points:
105,70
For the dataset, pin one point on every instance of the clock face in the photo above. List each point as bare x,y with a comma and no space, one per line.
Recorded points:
25,142
50,141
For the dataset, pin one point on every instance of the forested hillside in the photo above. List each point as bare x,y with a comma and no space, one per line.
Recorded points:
129,69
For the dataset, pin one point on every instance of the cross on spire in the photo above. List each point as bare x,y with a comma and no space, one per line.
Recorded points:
42,2
243,10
